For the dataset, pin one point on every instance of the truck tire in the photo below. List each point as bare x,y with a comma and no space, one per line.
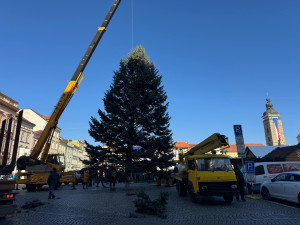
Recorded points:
181,188
193,196
30,187
228,198
66,183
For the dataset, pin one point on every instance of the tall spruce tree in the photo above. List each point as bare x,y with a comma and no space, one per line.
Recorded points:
135,115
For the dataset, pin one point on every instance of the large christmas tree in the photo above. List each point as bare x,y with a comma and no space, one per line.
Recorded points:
135,123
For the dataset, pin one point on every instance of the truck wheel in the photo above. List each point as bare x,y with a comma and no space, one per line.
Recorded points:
181,189
66,183
30,187
228,199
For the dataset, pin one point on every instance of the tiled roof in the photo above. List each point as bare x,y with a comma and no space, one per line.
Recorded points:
192,145
282,151
182,145
46,117
233,148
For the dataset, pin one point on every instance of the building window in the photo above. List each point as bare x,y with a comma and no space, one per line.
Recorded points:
27,138
22,136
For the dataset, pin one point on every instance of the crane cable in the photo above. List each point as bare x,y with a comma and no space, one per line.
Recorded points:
131,24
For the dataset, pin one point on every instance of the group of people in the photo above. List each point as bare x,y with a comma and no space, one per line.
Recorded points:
53,180
89,178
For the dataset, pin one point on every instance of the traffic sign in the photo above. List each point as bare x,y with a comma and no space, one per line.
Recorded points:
239,140
250,167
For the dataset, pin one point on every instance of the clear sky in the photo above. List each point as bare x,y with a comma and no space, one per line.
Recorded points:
218,59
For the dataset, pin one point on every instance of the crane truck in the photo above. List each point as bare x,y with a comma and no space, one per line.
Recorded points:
200,172
38,170
7,185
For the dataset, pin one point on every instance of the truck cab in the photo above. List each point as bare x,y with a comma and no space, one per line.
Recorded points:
205,174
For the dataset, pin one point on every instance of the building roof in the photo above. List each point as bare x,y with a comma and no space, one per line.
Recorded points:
192,145
46,117
281,152
10,99
232,147
181,145
261,151
37,134
10,106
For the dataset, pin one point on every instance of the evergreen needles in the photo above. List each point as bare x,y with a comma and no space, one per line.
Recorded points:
156,207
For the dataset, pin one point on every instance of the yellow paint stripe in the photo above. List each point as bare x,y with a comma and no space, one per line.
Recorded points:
102,28
253,197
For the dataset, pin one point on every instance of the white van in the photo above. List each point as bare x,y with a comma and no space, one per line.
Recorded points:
265,171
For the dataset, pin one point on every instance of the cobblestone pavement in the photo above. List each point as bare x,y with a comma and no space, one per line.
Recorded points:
100,206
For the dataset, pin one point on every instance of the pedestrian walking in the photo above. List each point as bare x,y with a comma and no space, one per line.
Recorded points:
100,178
86,179
240,183
112,180
52,182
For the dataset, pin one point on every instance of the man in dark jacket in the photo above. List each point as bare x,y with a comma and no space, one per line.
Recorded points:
240,183
52,181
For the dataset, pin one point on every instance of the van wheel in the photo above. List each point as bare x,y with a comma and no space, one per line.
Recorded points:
265,194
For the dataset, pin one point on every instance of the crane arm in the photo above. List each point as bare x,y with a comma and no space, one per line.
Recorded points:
70,89
214,141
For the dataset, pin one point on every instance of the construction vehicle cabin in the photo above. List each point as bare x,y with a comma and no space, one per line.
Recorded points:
202,174
37,171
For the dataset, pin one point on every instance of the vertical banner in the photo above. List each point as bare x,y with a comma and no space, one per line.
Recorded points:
239,140
275,119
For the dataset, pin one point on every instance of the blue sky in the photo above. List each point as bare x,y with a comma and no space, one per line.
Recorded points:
218,59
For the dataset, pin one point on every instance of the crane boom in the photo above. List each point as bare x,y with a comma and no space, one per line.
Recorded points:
214,141
44,141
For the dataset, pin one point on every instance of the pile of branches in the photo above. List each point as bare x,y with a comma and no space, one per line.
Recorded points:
156,207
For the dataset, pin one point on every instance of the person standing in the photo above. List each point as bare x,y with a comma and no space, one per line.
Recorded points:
86,179
100,178
52,181
240,183
112,180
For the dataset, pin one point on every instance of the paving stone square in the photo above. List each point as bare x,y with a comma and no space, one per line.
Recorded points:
101,206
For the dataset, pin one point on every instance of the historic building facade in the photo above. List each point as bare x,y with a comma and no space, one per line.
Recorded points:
273,126
8,118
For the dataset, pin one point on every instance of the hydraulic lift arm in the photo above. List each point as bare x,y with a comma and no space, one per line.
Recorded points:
214,141
46,136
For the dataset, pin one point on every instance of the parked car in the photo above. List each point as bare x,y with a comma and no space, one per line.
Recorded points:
285,186
265,171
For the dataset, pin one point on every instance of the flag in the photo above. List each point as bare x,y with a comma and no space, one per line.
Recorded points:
276,127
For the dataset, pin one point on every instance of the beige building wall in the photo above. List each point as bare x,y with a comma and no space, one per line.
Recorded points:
270,132
269,126
41,123
9,109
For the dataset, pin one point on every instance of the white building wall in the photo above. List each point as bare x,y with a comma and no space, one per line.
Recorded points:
35,118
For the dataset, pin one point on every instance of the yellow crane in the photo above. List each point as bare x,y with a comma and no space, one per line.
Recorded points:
38,170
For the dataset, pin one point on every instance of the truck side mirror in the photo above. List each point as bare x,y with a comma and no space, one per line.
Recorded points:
272,180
